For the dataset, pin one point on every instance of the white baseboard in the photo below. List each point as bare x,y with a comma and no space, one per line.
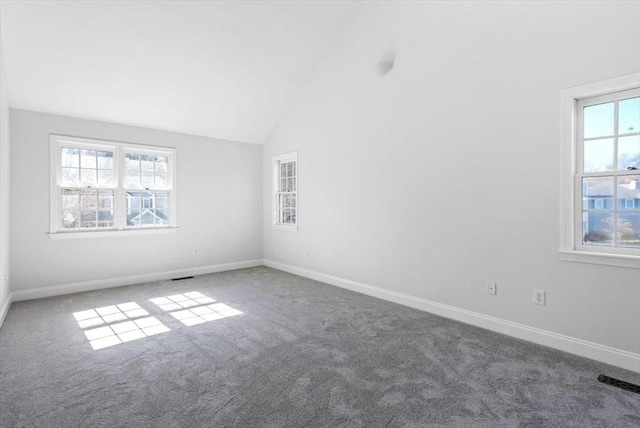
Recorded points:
583,348
99,284
5,308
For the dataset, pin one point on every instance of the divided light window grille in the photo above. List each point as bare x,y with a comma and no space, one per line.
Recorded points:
86,187
146,184
286,195
608,173
99,186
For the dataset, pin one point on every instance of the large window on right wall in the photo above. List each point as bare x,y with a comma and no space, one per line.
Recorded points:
602,180
285,201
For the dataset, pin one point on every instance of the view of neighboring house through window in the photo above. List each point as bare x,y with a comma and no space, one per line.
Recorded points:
101,185
147,189
286,185
608,170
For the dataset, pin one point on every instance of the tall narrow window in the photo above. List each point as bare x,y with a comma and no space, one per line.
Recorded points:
608,172
286,191
107,186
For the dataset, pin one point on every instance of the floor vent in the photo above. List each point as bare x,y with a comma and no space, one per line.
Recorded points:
180,279
619,383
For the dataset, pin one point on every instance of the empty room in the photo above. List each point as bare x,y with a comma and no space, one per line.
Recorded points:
320,213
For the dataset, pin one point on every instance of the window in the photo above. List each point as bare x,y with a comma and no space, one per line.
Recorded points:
286,191
102,186
601,160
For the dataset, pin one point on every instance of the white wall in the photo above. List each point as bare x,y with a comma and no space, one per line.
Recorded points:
218,195
444,173
4,191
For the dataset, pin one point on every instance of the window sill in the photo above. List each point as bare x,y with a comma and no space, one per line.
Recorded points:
286,227
112,233
619,260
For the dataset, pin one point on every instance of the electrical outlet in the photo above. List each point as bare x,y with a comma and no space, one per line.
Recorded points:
538,297
492,288
195,251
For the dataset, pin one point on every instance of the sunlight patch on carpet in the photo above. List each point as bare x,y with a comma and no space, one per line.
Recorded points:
111,325
194,308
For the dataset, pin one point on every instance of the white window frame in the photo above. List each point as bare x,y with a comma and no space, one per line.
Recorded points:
277,160
571,247
56,142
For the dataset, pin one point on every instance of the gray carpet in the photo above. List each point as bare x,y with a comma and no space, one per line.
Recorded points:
277,350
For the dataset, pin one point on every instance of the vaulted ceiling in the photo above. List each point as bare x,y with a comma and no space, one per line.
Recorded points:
219,69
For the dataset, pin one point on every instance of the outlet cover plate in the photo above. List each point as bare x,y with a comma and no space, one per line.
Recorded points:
538,297
492,288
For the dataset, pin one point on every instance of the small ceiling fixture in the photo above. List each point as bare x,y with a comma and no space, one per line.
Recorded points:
386,61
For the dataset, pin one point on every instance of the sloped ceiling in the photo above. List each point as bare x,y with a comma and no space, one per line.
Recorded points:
219,69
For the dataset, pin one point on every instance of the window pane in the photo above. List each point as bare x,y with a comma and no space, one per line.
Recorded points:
629,152
70,177
161,166
162,217
283,170
88,159
105,218
598,120
629,229
105,178
70,157
293,168
162,200
288,201
132,162
628,192
88,177
88,218
105,160
89,199
629,115
146,180
70,199
105,200
161,181
598,155
133,200
146,163
595,191
133,218
597,227
147,218
69,219
132,180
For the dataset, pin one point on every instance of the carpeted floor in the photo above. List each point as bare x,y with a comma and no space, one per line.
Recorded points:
277,350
